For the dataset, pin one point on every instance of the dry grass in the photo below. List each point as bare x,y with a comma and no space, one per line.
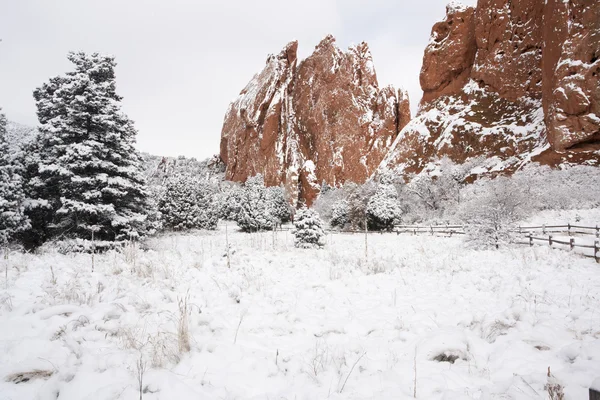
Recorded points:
554,388
183,328
22,377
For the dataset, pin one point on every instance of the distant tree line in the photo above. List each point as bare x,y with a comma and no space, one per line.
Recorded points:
81,178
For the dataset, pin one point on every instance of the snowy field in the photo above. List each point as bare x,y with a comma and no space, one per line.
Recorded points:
283,323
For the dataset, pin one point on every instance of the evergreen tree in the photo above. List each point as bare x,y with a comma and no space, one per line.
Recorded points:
230,202
254,212
308,230
89,172
261,208
188,203
278,207
12,219
340,214
383,208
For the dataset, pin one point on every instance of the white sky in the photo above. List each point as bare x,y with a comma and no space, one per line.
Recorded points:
181,62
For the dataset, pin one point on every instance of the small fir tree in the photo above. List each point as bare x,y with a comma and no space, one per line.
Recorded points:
383,208
278,207
308,230
188,203
261,208
340,214
229,202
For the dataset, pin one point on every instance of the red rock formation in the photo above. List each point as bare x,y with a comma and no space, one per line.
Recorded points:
507,81
324,121
345,123
449,56
509,47
571,71
254,138
510,81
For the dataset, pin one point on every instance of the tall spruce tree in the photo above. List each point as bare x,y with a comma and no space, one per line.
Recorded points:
88,171
12,219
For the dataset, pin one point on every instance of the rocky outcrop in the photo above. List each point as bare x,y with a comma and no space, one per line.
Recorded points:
449,56
257,136
509,82
506,82
571,71
325,120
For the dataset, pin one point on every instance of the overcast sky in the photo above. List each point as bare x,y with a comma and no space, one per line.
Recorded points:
181,62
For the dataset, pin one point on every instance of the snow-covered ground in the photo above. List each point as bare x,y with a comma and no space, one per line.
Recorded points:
283,323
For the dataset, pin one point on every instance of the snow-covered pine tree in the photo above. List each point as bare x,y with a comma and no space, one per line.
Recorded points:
278,207
188,203
383,207
308,230
12,218
229,200
254,214
89,171
340,214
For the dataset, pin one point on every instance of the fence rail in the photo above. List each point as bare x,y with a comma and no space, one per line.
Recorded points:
527,231
551,241
568,228
431,229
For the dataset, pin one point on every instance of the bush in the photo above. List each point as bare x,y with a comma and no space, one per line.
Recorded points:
491,210
383,208
261,208
308,229
188,203
340,214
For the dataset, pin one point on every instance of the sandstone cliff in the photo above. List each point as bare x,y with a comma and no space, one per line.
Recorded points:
324,120
508,81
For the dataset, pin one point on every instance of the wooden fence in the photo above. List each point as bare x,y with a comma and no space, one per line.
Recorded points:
541,234
431,229
532,235
569,229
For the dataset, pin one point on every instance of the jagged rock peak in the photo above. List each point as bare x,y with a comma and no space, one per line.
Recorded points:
324,120
456,6
450,53
289,53
327,42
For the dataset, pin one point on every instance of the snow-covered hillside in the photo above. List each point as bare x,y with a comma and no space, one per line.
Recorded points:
284,323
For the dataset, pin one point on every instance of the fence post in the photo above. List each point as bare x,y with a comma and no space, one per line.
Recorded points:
597,231
550,240
519,228
415,231
569,228
544,229
596,245
530,239
572,242
431,227
366,241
